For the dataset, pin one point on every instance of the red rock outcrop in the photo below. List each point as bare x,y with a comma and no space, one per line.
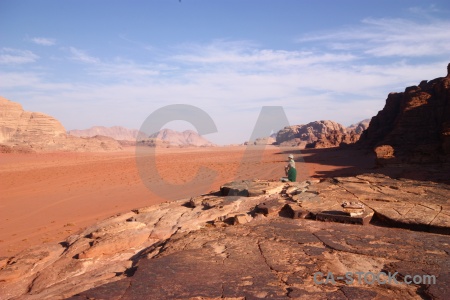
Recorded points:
414,126
308,133
23,131
334,138
320,134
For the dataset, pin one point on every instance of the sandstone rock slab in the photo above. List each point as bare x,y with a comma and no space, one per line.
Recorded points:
277,259
251,188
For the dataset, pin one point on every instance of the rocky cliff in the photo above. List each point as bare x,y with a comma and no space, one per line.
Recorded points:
185,138
32,131
319,134
414,125
116,132
17,124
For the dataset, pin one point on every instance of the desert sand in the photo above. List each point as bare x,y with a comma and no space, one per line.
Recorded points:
46,197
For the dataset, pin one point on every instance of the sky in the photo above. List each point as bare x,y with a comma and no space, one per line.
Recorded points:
115,63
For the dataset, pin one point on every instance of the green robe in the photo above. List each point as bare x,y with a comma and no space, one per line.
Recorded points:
292,174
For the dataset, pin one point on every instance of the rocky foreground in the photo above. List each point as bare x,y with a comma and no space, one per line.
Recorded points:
252,244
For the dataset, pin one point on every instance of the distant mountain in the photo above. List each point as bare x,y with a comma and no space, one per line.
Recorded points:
163,138
116,132
185,138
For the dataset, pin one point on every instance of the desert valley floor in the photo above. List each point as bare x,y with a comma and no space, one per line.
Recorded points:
47,196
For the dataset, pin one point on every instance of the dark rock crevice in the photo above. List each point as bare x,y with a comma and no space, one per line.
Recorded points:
30,286
338,247
272,269
130,284
435,216
384,221
348,191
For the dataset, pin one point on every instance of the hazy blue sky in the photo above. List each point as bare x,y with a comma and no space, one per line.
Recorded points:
115,62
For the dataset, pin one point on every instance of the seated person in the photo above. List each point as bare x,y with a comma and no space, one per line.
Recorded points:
290,170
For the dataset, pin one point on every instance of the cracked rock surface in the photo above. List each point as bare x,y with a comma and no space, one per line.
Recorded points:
188,249
405,203
277,259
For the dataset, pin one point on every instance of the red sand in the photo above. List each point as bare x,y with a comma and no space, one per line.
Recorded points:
46,197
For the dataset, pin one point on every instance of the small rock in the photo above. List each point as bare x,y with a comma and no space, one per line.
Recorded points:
72,239
242,219
259,218
3,262
292,190
195,201
296,198
296,212
269,207
313,181
212,202
300,185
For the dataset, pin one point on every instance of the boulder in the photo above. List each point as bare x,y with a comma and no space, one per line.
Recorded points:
242,219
